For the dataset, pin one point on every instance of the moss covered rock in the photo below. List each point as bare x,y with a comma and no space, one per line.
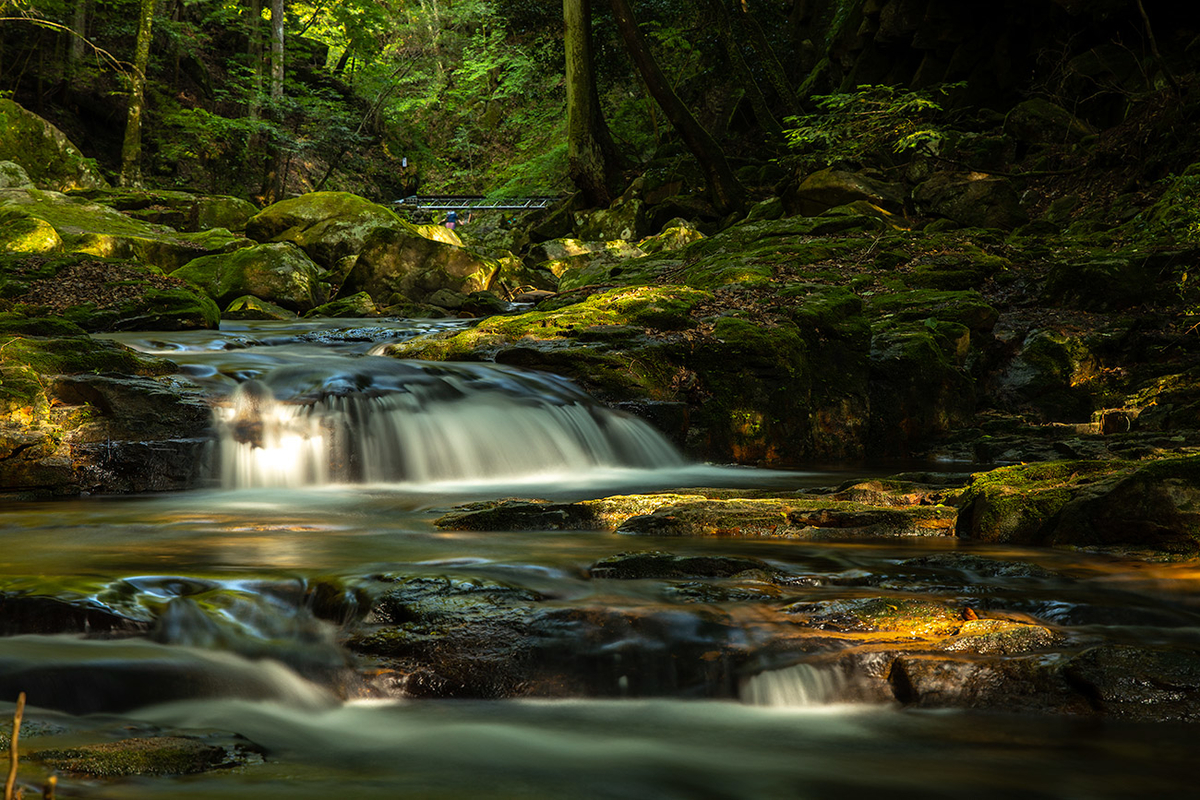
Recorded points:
78,414
101,294
82,226
250,307
973,199
182,211
1153,505
280,273
164,755
49,158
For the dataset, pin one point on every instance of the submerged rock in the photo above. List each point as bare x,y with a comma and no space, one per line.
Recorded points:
161,755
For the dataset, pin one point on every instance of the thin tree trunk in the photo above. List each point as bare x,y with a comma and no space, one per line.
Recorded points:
770,63
254,54
79,40
131,149
762,112
727,194
275,181
592,165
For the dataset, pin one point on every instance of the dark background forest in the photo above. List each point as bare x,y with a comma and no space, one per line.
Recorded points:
470,94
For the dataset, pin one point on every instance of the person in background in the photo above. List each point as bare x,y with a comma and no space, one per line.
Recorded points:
451,219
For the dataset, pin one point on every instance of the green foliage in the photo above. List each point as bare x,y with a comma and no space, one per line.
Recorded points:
857,127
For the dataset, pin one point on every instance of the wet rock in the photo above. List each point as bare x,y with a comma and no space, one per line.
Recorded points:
165,755
82,415
450,638
1141,683
1019,683
25,613
661,565
45,152
790,519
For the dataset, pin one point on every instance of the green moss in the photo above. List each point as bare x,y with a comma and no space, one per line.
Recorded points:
964,307
1016,504
167,755
47,155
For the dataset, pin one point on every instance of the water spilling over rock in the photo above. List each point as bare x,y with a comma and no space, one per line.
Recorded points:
405,422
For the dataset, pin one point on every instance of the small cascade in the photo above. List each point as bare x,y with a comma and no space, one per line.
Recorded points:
797,685
448,423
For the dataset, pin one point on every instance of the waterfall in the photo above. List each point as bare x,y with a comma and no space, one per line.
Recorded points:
444,423
797,685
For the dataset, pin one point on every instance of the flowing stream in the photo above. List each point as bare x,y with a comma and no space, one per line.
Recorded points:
330,465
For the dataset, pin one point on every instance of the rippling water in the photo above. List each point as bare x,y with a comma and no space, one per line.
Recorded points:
212,585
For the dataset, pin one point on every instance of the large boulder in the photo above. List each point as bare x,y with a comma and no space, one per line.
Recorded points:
1087,503
1038,121
974,199
14,176
182,211
37,221
279,272
328,226
85,415
45,152
830,188
397,263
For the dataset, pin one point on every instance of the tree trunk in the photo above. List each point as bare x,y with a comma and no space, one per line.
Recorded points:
776,74
254,55
762,112
726,192
79,40
590,152
131,150
275,179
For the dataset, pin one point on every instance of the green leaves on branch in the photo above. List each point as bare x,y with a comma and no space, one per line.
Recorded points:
858,126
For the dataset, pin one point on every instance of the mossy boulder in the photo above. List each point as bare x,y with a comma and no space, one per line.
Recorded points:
790,518
973,199
396,260
47,155
162,755
356,305
830,188
99,230
29,235
250,307
279,272
626,219
1100,503
1106,282
14,176
182,211
328,226
101,294
78,414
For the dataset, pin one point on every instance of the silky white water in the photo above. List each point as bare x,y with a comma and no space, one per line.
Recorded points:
206,613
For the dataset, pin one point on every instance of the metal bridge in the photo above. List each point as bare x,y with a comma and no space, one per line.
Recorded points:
472,203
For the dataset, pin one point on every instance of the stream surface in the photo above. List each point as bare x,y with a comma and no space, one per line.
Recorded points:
230,650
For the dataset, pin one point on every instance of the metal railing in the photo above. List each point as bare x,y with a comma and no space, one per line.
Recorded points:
477,203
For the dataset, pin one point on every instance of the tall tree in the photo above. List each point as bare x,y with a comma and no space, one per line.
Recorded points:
726,193
591,155
275,181
131,149
733,51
